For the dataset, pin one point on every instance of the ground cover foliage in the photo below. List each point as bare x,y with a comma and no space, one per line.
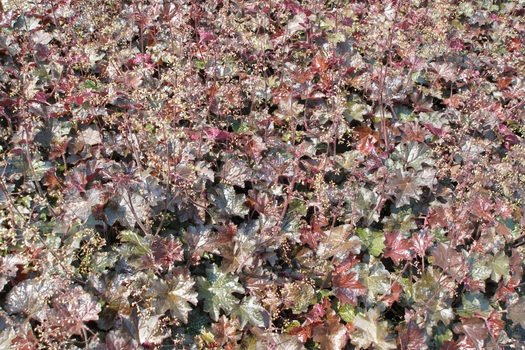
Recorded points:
262,174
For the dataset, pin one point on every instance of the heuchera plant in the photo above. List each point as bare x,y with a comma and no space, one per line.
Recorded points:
197,174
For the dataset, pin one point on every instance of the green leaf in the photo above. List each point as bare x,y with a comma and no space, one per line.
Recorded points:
208,337
478,268
297,296
347,160
513,227
363,203
198,324
291,222
402,221
174,295
30,297
200,64
336,38
40,168
356,111
440,334
79,206
427,288
474,305
249,311
135,241
7,335
413,155
89,136
228,202
293,324
516,313
373,240
369,331
89,84
339,242
217,291
240,126
15,165
103,260
124,211
347,312
500,266
267,340
235,172
480,272
404,113
404,186
466,9
378,281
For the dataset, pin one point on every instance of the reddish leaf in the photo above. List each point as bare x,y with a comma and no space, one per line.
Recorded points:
115,340
318,222
58,149
258,201
218,135
331,335
514,44
421,241
397,247
413,132
516,265
394,295
346,264
475,329
253,146
413,337
167,250
235,172
74,305
302,333
304,75
435,131
508,135
226,233
505,290
463,343
416,63
437,217
404,187
226,330
503,209
495,324
310,236
503,231
348,287
10,265
295,8
206,36
367,140
446,71
445,256
25,340
347,21
481,207
516,312
504,82
455,101
319,64
317,312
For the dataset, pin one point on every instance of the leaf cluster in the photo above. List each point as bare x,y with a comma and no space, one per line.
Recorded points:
258,174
